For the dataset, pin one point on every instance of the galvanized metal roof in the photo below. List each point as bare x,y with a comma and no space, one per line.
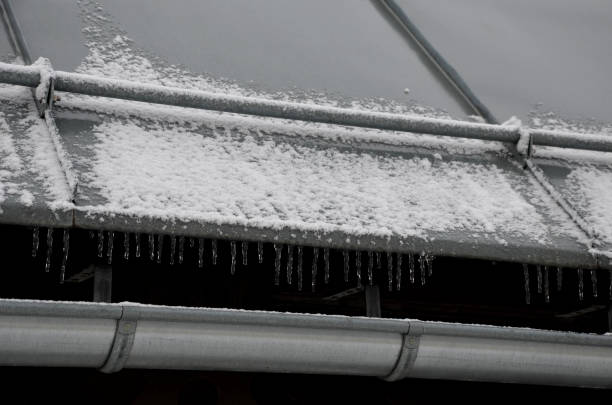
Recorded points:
171,170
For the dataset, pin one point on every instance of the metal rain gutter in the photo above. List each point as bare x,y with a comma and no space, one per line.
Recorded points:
122,89
115,336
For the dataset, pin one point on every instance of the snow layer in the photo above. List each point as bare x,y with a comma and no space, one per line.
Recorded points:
589,190
29,168
257,178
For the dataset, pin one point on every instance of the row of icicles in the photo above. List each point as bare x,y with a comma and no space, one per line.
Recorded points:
369,260
544,284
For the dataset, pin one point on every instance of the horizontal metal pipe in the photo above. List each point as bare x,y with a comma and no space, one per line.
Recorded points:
34,333
122,89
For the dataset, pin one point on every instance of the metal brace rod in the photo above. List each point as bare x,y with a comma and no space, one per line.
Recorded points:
126,90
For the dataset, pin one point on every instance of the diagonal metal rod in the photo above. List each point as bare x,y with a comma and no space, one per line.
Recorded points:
445,68
126,90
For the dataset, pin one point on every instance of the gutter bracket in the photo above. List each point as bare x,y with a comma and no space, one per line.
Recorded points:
44,92
408,353
123,340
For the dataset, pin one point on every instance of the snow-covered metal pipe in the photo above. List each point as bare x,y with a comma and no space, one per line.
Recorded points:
113,336
127,90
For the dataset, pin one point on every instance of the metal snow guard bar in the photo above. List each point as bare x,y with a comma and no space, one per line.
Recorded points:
121,89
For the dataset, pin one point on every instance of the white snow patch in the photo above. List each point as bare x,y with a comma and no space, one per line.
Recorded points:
589,189
241,177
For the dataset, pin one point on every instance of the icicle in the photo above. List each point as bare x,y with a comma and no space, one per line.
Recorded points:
277,262
137,240
546,286
100,244
160,247
65,249
610,286
289,264
422,268
181,252
49,249
580,284
172,249
398,272
315,269
429,261
390,271
326,264
370,268
411,267
151,247
526,275
260,252
233,253
377,254
213,251
35,241
594,282
559,279
345,255
92,234
191,242
539,278
358,267
126,246
200,252
299,267
109,248
245,252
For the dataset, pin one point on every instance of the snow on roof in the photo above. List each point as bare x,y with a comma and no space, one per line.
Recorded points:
161,166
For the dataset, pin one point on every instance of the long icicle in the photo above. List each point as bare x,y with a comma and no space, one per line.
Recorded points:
277,262
315,268
411,267
181,249
160,247
100,244
345,256
126,245
172,249
390,271
289,271
151,247
526,276
546,286
559,279
35,240
326,264
358,267
370,268
137,242
49,249
65,249
260,252
422,268
300,260
594,282
244,250
213,251
109,248
580,284
233,254
398,272
200,253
